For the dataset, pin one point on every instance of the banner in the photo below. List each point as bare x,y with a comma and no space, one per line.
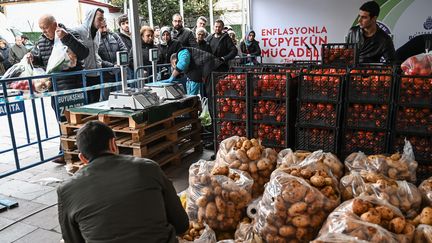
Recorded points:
288,30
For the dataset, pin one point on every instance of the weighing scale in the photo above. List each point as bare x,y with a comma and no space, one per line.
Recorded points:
167,91
128,98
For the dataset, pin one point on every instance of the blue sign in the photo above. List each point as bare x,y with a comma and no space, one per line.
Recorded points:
15,107
69,101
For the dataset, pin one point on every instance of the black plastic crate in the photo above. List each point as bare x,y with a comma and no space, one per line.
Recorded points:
313,138
269,111
339,54
318,114
321,87
366,141
269,85
413,119
230,108
359,115
226,129
270,135
370,85
414,90
421,143
230,84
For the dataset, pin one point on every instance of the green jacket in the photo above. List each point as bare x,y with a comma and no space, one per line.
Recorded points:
16,53
118,199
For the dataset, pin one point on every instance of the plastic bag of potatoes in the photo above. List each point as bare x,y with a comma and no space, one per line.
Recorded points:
401,194
291,209
337,238
423,234
288,158
217,195
395,166
371,219
249,156
426,191
198,233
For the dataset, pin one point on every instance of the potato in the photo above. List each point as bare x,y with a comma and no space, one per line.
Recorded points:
301,221
287,230
397,225
360,206
371,216
201,201
242,155
385,212
254,153
426,216
220,170
297,209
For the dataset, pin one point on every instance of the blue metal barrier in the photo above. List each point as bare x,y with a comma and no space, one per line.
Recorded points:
160,68
11,104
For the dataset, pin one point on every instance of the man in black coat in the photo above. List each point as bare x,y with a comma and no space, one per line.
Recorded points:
167,46
124,32
109,45
117,198
182,34
221,44
373,42
41,53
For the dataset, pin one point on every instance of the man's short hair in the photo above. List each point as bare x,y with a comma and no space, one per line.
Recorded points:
123,18
202,18
146,28
177,15
220,22
93,139
372,8
24,37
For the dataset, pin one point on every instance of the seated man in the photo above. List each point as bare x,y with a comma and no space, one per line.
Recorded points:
117,198
373,42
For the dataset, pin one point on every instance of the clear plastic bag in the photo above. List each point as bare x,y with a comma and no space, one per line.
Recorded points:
41,84
291,209
369,218
420,64
288,158
395,166
249,156
217,195
338,238
246,234
426,190
198,233
401,194
59,58
21,69
423,234
205,116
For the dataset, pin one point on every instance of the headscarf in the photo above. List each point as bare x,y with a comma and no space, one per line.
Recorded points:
247,42
162,31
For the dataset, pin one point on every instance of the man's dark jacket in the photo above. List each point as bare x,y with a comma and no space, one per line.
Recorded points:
126,40
204,46
165,51
185,36
5,53
109,45
222,46
201,65
373,48
118,199
42,51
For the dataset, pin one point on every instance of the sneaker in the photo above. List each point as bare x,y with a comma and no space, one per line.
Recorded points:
59,160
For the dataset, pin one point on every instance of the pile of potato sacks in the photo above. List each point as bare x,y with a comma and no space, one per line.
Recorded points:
299,196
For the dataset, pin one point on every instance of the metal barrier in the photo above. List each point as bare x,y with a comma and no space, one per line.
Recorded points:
146,71
14,102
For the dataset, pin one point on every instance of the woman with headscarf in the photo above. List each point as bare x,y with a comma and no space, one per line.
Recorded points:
249,47
167,46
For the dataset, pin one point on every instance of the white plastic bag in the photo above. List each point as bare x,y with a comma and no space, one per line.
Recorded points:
205,116
59,58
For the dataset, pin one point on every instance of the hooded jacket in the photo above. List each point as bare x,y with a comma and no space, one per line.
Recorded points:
372,49
93,60
42,52
250,47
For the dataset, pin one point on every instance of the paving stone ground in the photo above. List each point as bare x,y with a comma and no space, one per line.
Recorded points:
35,220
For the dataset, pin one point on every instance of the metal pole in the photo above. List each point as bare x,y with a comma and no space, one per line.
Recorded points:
211,15
135,34
243,27
125,7
123,75
150,12
181,9
248,5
